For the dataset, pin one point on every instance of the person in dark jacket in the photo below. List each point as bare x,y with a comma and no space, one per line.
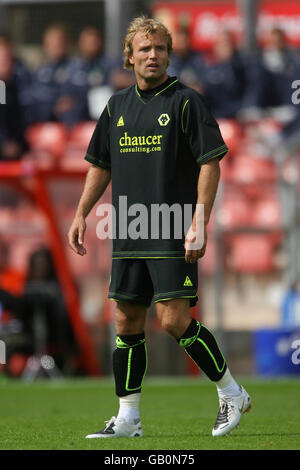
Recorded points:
185,63
13,113
225,78
54,95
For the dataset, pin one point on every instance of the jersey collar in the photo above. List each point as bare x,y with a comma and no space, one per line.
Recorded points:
150,94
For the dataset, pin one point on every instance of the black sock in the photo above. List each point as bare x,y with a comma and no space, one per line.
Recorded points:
129,363
201,346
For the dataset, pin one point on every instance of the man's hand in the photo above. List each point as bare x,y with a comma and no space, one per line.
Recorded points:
207,189
95,184
192,255
76,235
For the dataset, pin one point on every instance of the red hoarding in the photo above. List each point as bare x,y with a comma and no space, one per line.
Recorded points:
205,20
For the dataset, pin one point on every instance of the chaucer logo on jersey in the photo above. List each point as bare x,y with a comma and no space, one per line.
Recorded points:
164,119
140,143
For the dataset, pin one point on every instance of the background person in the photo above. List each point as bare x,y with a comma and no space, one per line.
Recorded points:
186,64
13,114
224,82
54,96
91,70
94,66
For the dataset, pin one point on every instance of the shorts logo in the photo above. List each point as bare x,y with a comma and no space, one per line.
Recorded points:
164,119
120,121
187,282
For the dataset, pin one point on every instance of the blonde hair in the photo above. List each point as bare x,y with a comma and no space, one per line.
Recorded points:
147,26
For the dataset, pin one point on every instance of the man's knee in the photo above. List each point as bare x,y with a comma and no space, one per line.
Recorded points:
174,316
130,318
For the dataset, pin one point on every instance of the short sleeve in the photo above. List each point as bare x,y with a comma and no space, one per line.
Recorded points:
201,130
98,152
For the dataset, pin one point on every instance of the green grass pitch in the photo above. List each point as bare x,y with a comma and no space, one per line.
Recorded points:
177,414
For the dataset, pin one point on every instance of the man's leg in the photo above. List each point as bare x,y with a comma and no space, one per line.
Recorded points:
201,346
131,287
129,358
129,368
197,340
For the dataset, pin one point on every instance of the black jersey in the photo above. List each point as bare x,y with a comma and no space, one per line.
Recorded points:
154,147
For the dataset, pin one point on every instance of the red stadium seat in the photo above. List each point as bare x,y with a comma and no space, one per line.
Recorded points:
234,213
251,253
262,131
24,220
7,218
208,262
267,214
29,220
81,134
268,126
74,160
77,145
47,138
255,192
248,169
232,133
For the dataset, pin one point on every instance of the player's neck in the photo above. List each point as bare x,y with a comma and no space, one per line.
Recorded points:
149,84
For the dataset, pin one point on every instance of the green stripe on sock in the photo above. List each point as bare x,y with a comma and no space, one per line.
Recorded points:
212,356
186,342
129,369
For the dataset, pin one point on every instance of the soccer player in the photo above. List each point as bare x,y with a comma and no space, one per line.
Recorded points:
158,144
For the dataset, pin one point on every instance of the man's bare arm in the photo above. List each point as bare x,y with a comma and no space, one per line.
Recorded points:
97,180
207,189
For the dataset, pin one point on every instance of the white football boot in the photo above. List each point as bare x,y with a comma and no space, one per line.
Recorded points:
118,427
230,412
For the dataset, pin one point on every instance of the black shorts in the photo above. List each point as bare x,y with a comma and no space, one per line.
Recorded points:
143,280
